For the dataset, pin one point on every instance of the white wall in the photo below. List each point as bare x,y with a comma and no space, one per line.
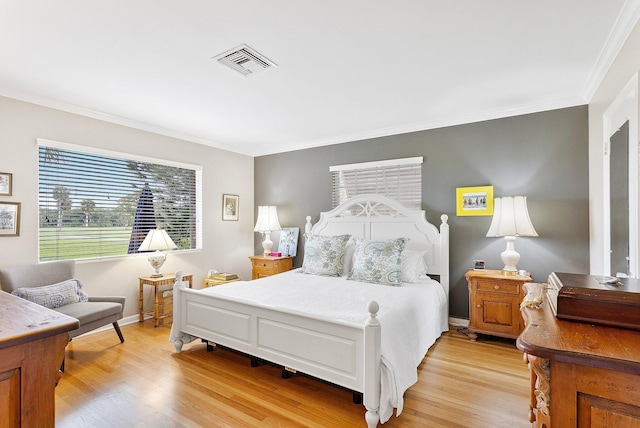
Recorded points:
623,69
226,245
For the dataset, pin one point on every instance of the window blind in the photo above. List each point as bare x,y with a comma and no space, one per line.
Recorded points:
399,179
102,204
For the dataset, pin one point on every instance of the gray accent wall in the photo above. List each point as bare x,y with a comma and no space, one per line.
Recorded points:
543,156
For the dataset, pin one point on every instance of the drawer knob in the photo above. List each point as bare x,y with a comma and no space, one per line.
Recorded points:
264,265
478,306
497,287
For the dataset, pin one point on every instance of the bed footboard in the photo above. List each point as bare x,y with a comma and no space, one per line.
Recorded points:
338,352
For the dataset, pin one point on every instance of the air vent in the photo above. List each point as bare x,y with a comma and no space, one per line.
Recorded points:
245,60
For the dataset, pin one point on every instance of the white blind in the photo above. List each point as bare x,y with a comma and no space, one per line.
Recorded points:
96,205
399,179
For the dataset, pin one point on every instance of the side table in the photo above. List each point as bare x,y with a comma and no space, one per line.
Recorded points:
494,303
262,266
157,282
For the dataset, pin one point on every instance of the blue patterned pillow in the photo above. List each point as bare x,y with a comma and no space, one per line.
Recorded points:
50,296
324,255
378,261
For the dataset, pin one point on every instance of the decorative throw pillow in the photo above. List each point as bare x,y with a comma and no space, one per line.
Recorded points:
324,255
50,296
378,261
82,295
413,266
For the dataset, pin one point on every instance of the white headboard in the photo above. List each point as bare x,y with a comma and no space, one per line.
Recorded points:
378,217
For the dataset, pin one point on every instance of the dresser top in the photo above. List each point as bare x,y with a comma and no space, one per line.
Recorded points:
576,342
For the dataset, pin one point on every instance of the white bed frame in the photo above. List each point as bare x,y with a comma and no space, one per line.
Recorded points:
341,353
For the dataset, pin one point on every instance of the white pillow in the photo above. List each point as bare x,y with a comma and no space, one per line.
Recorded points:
349,250
414,267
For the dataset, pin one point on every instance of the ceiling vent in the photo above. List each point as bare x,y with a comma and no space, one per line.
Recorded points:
245,60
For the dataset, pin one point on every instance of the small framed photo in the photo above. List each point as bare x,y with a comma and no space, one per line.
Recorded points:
230,207
9,218
288,245
474,201
478,265
6,183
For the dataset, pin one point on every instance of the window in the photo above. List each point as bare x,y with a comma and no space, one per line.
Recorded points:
98,204
399,179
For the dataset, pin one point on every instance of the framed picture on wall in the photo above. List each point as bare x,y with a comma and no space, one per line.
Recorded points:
474,201
9,218
6,183
230,207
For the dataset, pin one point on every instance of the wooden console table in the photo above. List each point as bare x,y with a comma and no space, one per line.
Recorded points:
582,375
32,342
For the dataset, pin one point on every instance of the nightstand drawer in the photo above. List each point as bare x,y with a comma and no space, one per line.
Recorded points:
498,286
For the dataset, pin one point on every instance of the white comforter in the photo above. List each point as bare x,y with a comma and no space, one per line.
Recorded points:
412,317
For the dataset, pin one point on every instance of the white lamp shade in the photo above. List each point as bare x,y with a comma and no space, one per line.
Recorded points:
511,218
267,219
157,239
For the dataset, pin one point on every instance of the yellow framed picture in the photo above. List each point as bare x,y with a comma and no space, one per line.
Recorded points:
471,201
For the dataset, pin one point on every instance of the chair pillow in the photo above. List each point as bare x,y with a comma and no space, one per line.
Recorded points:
50,296
324,255
378,261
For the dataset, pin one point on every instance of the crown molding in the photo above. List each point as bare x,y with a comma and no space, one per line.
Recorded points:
619,34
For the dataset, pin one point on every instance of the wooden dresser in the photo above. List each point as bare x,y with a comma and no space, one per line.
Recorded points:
582,375
32,342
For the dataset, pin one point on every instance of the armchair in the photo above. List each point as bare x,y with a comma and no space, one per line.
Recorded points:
91,314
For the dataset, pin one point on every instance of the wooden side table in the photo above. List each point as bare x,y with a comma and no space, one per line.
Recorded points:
262,266
494,303
168,279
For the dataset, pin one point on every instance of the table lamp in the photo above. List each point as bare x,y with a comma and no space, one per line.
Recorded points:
511,219
157,240
267,222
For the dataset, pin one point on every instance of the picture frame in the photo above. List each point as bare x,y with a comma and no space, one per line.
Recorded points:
10,218
474,201
230,207
288,245
6,183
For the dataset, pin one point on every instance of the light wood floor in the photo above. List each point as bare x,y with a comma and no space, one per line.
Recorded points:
144,383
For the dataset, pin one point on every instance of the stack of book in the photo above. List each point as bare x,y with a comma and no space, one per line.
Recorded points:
221,276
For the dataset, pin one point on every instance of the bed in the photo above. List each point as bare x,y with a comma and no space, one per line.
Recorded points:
363,336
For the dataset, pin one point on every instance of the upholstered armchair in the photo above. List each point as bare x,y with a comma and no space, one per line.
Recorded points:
54,285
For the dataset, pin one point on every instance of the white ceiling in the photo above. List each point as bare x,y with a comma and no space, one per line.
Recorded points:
347,69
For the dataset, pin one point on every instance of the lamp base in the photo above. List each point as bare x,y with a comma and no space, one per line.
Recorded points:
267,243
156,260
510,256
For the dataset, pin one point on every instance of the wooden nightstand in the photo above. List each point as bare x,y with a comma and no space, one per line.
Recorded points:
162,304
494,303
262,266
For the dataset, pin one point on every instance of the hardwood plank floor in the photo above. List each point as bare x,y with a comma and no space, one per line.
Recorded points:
144,383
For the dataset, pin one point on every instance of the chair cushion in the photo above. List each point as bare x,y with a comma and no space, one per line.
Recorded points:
87,312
